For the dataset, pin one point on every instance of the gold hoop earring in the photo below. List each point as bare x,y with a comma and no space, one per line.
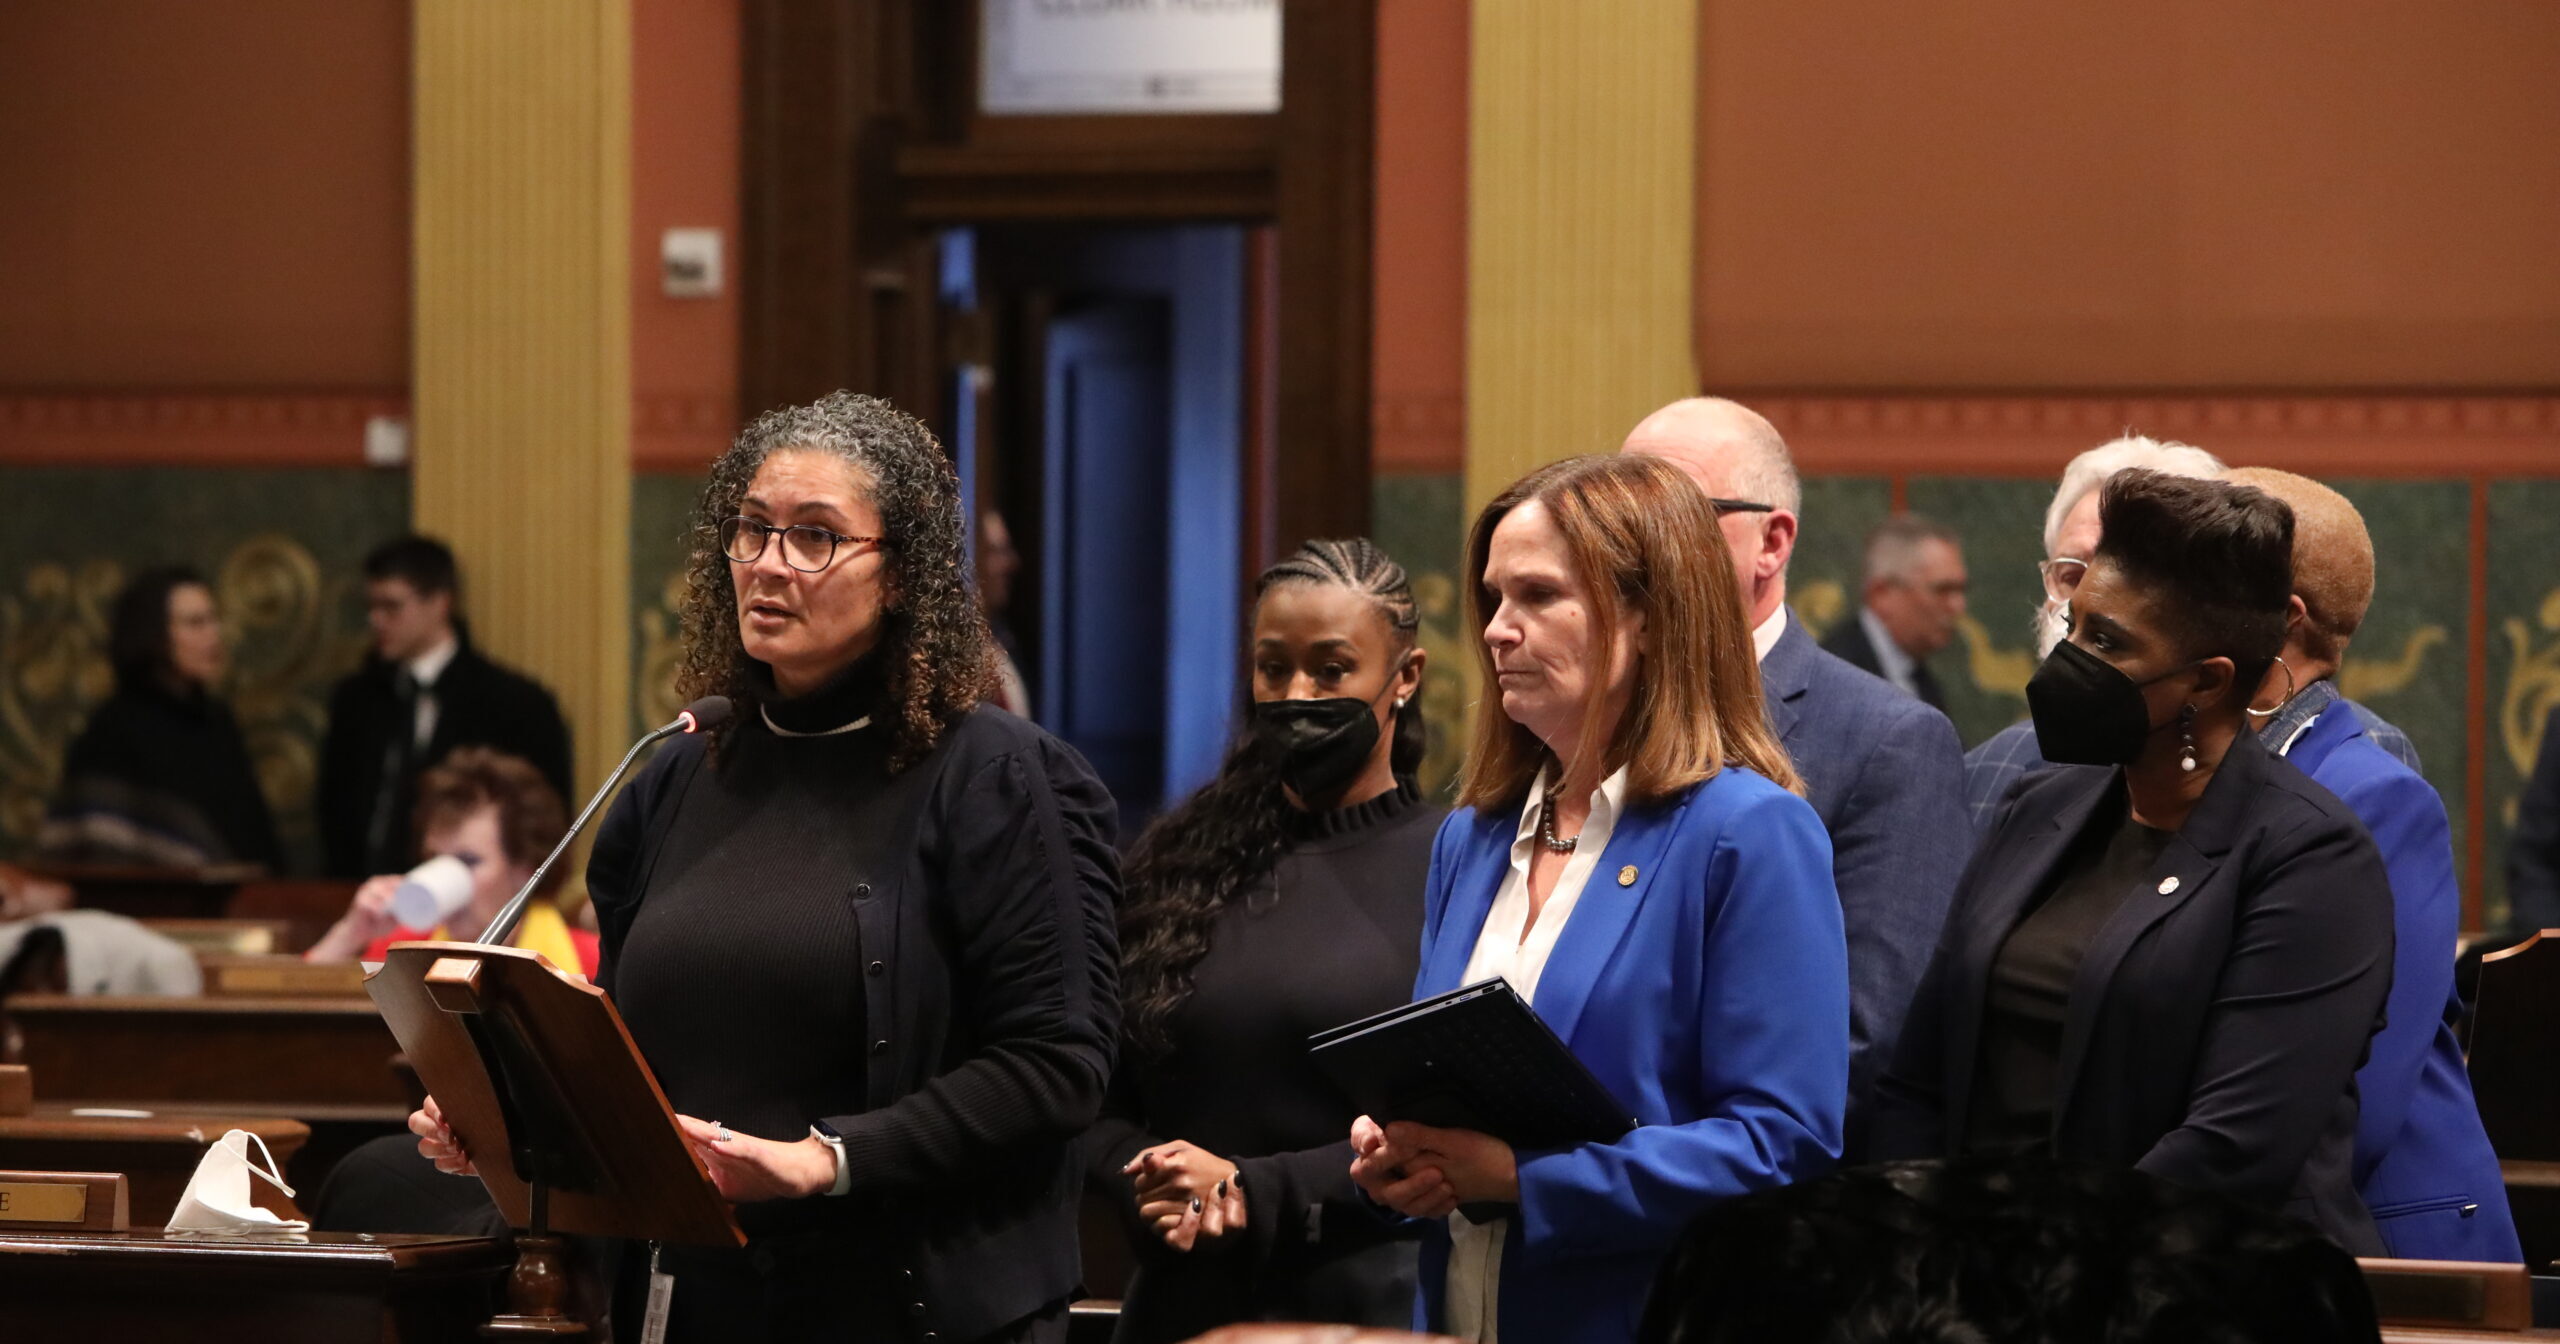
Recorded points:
2291,688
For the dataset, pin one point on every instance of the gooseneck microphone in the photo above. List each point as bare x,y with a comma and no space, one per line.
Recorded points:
708,712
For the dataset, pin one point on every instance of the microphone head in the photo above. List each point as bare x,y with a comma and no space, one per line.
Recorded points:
708,712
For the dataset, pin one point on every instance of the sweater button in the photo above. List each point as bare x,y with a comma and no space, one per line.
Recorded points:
879,968
879,1047
915,1309
862,891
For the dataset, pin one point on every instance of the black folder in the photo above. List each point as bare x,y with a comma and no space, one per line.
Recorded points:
1477,1057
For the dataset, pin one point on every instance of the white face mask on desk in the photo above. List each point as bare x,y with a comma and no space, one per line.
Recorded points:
217,1196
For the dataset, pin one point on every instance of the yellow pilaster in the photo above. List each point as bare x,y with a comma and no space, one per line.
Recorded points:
522,337
1582,134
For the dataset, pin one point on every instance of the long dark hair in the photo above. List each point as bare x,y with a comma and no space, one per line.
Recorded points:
1225,840
936,657
138,626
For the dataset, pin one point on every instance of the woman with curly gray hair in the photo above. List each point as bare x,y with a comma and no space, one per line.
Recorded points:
865,935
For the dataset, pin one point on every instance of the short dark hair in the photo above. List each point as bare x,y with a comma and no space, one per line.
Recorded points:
531,817
2221,554
2003,1249
425,563
138,626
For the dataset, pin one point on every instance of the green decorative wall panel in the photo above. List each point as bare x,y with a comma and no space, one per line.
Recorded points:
661,544
282,547
2523,650
1421,521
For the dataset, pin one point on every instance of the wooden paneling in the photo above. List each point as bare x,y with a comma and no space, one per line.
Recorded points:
1328,144
192,428
1582,122
523,337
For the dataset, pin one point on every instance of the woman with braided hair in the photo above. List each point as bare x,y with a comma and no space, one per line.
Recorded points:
1282,898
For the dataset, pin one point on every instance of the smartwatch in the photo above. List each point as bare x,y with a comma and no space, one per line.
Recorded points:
826,1133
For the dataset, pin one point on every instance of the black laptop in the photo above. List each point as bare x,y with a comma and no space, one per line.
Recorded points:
1477,1057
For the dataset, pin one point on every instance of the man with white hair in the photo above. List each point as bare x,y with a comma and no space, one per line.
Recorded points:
2070,538
1882,769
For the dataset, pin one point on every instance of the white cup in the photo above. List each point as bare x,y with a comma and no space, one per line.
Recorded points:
432,893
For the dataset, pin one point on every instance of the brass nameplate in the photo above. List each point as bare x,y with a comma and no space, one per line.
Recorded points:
287,976
32,1202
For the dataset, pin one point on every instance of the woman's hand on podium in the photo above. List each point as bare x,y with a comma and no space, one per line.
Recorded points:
1186,1193
748,1169
1397,1174
438,1143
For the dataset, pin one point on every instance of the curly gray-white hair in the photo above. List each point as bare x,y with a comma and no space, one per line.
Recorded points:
937,659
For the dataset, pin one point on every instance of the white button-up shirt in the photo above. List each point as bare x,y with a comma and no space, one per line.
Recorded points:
1511,947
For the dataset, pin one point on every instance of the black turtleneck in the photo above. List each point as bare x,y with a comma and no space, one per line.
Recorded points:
1336,934
173,764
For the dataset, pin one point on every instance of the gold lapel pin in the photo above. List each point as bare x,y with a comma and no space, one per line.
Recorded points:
2169,886
1627,876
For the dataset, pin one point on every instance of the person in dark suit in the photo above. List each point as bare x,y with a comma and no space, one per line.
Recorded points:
1913,594
2171,951
1631,854
422,693
2423,1161
1882,770
161,775
1285,895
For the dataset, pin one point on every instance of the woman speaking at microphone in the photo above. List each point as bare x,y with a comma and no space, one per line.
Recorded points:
864,934
1631,855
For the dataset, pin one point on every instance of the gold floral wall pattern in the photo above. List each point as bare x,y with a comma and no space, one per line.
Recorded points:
277,605
2533,682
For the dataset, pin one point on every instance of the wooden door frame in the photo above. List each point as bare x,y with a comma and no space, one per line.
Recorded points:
860,137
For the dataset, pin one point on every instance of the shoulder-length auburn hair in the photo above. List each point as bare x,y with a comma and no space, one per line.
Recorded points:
937,659
1641,537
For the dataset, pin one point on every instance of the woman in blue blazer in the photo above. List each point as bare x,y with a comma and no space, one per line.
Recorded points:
2422,1160
1633,857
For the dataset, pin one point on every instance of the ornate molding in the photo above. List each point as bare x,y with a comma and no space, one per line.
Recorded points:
222,429
2367,435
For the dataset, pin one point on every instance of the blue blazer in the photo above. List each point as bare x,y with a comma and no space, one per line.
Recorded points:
1704,980
2422,1161
1885,774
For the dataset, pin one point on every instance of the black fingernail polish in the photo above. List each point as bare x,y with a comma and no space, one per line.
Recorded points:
1222,1189
1195,1206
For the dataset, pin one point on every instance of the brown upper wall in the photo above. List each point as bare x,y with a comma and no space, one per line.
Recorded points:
2017,194
208,196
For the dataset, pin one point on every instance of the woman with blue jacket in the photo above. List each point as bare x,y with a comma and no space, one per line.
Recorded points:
2422,1160
1632,856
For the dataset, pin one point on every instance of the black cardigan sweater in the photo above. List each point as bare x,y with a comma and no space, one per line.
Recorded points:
981,883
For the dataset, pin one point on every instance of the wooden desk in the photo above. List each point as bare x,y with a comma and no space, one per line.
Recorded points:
324,1062
321,1287
156,1155
299,1058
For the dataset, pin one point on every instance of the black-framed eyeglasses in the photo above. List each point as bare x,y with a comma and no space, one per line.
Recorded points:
804,548
1725,506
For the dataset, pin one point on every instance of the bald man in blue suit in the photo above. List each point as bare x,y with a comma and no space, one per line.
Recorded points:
1883,771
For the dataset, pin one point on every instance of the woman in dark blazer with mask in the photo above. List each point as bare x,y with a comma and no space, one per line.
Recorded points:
1282,898
2171,953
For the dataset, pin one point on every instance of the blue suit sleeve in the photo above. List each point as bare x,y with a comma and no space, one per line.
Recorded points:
2409,827
1772,1056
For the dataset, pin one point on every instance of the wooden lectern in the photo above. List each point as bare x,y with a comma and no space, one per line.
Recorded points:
537,1076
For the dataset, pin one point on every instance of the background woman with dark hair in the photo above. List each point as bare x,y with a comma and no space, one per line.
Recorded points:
2171,954
161,774
1282,898
864,936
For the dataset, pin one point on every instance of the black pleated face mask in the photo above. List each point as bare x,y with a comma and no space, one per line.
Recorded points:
1323,745
2087,711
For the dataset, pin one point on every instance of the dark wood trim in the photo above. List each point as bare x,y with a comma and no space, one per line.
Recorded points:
797,276
943,184
1328,192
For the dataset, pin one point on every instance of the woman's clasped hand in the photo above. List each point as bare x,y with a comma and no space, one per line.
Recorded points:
1186,1193
1424,1172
